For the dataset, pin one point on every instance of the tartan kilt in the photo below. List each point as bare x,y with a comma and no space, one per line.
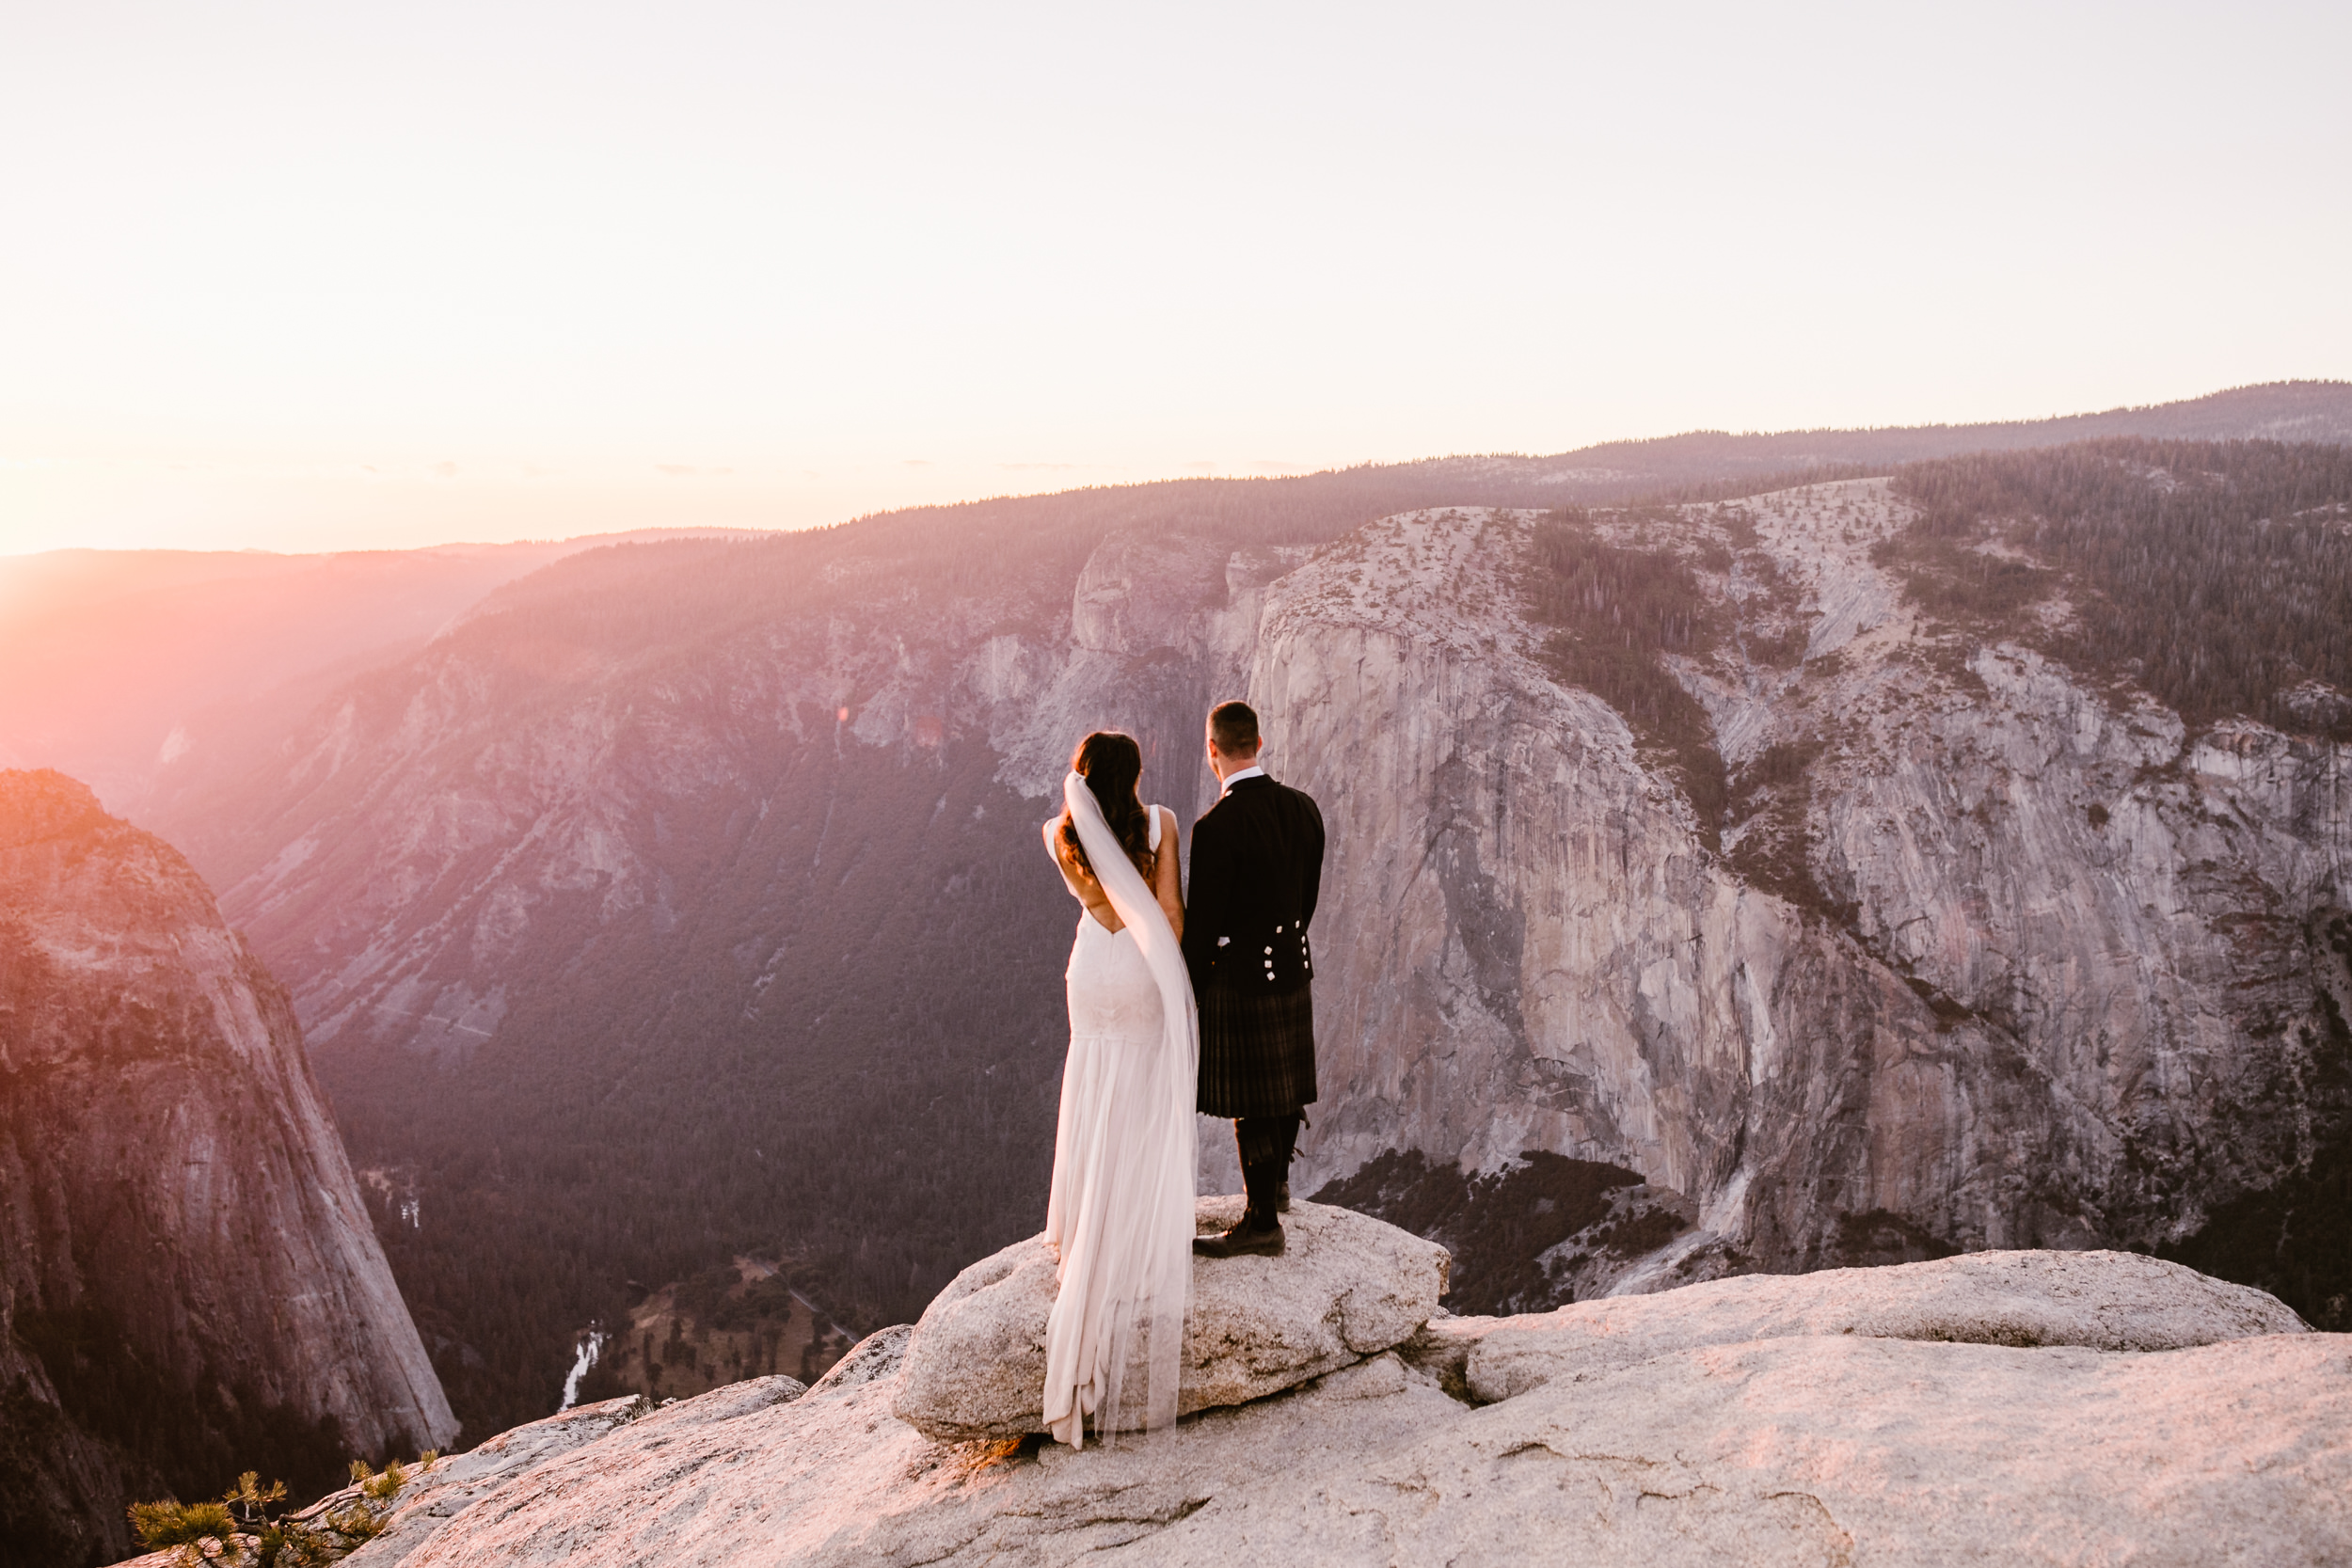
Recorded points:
1257,1053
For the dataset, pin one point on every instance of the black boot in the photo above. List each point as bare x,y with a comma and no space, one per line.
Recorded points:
1259,1234
1273,1194
1271,1140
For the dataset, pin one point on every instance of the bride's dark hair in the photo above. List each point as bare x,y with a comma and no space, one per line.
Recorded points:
1112,764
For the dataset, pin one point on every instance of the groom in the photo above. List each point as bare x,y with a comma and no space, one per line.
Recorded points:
1257,864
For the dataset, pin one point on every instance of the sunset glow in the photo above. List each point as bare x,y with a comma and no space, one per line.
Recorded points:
913,737
305,278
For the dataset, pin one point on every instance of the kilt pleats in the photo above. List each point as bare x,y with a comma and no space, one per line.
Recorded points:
1257,1053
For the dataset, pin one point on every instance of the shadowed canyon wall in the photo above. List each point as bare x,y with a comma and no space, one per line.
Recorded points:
189,1282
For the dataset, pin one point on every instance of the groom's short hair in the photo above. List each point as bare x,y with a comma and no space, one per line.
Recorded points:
1234,728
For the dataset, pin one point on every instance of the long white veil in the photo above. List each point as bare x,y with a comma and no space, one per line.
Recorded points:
1140,1279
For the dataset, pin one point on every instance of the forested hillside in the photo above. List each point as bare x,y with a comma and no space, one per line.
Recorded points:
2218,574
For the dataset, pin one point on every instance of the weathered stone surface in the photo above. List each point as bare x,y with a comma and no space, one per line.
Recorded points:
437,1496
1346,1287
434,1496
1440,1349
1825,1451
2113,1301
1808,1450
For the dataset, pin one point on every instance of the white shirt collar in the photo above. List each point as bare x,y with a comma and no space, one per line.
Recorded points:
1232,779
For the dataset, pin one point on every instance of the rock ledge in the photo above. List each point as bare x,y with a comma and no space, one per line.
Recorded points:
1930,1414
1346,1288
2108,1301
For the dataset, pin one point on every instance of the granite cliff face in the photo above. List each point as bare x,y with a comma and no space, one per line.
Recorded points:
2028,964
2005,958
189,1282
1913,939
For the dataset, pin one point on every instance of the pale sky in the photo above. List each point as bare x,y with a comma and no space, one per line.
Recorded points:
320,277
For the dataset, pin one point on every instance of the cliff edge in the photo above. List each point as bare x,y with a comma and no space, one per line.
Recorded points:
189,1283
2015,1406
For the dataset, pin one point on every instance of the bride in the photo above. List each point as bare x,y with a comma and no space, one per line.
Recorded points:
1120,1220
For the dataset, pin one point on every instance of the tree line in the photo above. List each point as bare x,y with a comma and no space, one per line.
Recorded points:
2216,575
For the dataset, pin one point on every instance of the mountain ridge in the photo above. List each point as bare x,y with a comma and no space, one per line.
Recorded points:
48,723
747,829
681,896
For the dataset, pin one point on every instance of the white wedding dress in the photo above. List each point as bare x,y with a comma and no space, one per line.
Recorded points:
1120,1218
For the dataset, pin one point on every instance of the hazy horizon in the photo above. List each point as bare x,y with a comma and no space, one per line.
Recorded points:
304,281
328,546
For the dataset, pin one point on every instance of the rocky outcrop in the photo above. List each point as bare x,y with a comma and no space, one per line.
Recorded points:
452,1485
2108,1301
189,1280
434,1493
1695,1446
1344,1288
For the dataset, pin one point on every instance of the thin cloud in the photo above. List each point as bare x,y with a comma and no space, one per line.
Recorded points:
674,470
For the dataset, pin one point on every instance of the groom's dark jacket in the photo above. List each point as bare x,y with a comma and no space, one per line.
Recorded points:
1257,867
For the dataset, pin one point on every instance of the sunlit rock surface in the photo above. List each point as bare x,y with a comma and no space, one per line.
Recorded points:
453,1486
187,1272
1815,1445
434,1493
2111,1301
1345,1287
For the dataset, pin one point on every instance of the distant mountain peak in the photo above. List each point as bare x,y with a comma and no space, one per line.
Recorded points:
41,803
